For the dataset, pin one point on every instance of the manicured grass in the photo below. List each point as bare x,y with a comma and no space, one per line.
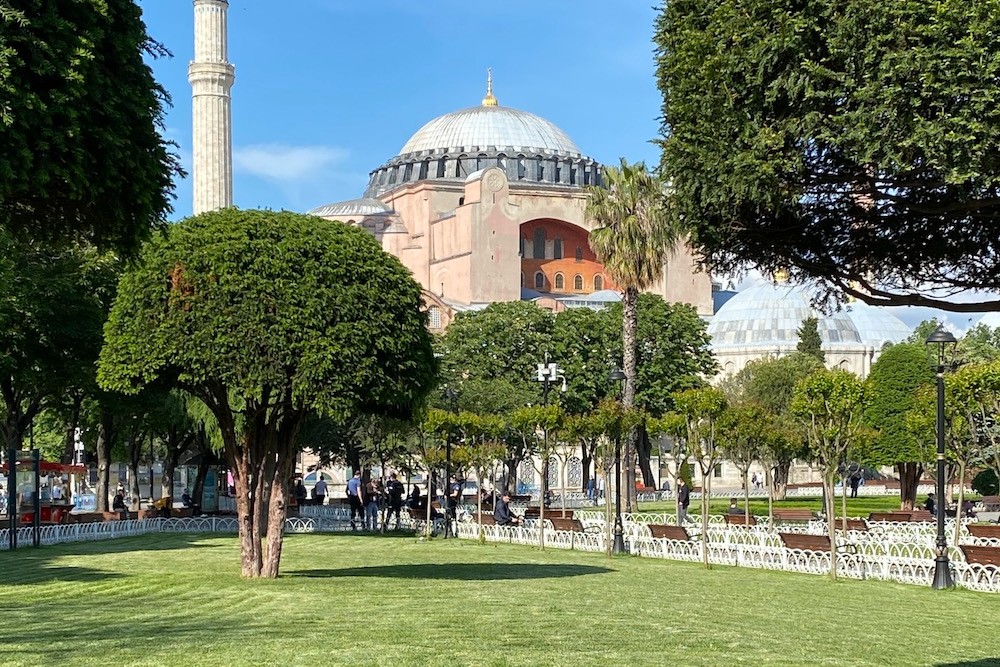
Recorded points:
368,600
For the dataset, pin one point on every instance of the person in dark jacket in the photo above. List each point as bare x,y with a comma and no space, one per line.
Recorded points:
502,514
394,489
683,500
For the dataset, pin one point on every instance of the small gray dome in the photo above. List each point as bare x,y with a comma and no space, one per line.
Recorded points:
769,316
877,326
352,208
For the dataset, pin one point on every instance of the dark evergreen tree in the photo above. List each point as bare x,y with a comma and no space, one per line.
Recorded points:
809,341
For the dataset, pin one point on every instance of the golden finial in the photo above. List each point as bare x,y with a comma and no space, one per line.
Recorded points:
780,277
489,100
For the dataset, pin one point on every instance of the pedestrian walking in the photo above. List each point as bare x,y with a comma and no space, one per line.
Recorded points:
683,500
354,498
319,491
372,493
394,491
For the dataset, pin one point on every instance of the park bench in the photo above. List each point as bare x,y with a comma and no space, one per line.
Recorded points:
921,515
571,525
532,512
661,531
859,525
740,520
982,555
991,503
485,519
804,542
793,515
889,516
985,530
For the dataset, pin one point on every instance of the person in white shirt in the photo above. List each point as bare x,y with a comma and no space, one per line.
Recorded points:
319,492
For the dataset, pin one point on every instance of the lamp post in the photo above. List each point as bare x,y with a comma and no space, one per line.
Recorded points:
451,396
151,466
943,340
618,546
547,373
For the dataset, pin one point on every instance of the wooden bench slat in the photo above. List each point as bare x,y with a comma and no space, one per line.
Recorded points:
794,515
805,542
740,520
572,525
988,530
659,531
981,555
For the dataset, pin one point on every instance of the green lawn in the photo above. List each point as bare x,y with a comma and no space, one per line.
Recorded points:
360,600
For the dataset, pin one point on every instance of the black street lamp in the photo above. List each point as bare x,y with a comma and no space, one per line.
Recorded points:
618,546
547,373
451,397
945,342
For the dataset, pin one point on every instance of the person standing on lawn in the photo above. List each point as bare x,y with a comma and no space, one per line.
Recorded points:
683,500
354,498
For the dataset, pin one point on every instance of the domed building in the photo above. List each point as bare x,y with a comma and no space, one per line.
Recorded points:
764,320
487,204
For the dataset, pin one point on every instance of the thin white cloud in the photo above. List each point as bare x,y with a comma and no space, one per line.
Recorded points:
287,165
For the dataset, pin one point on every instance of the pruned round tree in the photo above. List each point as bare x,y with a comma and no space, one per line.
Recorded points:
857,143
268,318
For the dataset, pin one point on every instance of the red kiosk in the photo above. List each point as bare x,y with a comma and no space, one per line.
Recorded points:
25,504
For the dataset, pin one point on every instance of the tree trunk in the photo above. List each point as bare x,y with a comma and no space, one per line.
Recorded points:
511,482
630,321
843,500
830,521
586,461
277,508
105,441
706,491
909,478
133,475
780,479
645,451
770,494
961,498
746,495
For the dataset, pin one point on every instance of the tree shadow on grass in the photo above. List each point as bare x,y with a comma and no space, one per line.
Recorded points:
458,571
984,662
31,565
56,640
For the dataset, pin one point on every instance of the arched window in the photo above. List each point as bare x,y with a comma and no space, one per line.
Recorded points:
538,251
434,317
560,281
598,283
553,472
442,162
578,282
539,280
579,254
574,473
424,168
521,167
557,248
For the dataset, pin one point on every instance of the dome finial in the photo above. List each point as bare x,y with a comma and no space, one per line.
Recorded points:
489,100
780,277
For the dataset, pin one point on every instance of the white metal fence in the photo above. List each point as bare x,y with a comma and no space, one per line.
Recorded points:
900,552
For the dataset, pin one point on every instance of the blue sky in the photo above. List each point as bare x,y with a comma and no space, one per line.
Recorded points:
327,90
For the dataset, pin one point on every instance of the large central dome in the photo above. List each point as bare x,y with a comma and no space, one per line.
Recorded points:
528,148
490,127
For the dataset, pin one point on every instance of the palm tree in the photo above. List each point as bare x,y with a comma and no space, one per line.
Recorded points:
632,238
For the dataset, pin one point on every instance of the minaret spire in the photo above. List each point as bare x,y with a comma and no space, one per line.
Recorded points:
211,76
489,100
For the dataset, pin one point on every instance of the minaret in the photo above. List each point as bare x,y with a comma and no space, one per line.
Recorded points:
211,76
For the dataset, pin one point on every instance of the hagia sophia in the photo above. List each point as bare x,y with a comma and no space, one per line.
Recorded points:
488,204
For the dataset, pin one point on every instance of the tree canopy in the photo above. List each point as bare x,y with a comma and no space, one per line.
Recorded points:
81,154
857,144
809,339
271,317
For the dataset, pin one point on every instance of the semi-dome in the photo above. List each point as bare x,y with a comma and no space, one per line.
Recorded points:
767,318
527,147
352,208
877,326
